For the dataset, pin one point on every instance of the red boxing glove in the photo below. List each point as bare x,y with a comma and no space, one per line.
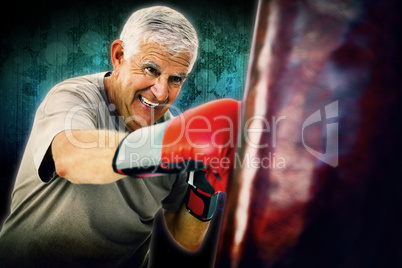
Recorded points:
202,138
206,134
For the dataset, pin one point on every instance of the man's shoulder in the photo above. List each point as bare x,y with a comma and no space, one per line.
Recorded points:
88,81
87,86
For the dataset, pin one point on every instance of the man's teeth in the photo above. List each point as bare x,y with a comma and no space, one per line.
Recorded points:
148,103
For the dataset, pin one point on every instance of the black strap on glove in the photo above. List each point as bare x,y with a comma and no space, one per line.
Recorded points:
201,198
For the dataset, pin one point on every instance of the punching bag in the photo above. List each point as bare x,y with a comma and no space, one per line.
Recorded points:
317,178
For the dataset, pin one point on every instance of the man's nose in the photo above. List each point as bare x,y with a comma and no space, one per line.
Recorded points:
160,89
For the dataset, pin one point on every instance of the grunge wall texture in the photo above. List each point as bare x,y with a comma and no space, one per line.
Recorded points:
44,43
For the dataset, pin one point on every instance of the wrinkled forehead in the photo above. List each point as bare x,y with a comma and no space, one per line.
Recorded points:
155,51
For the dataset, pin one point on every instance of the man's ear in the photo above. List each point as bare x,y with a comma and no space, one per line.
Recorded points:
117,55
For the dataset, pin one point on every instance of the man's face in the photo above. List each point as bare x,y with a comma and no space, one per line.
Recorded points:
148,84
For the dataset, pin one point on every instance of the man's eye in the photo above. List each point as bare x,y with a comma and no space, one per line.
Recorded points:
151,70
176,79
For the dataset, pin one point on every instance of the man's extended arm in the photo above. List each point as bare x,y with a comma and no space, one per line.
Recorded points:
85,156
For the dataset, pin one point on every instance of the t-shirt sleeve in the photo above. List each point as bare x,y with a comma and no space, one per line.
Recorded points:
175,199
63,109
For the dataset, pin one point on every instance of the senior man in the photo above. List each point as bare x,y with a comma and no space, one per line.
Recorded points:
79,198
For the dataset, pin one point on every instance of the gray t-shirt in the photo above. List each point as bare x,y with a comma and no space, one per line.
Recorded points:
54,222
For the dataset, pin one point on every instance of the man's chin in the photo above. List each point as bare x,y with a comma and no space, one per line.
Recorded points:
136,122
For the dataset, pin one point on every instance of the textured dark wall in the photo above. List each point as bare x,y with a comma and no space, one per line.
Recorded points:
44,43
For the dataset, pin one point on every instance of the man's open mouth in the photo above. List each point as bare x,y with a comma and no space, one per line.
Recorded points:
148,102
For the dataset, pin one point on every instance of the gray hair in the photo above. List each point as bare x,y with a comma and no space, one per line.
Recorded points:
161,25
